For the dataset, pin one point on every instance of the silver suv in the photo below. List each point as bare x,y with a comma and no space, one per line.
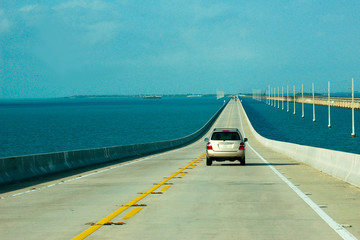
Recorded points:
225,144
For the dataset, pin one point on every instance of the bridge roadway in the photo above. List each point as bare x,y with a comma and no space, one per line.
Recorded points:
223,201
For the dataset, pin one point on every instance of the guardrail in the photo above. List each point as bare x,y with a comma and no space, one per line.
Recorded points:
20,168
342,165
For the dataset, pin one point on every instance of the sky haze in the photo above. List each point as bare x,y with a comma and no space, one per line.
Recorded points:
77,47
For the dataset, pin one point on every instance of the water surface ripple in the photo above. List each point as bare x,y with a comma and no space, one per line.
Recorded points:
275,123
53,125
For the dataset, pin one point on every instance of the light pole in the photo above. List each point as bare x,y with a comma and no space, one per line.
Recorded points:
302,100
329,126
294,100
287,98
274,97
313,93
352,109
266,98
278,98
282,98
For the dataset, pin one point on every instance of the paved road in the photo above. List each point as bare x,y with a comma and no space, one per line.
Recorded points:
178,197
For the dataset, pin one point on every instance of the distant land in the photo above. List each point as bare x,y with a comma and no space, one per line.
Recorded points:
143,95
333,94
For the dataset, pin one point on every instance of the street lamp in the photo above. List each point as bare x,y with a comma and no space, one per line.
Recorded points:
329,126
313,93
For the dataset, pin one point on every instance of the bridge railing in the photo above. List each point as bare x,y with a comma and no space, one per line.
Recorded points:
20,168
342,165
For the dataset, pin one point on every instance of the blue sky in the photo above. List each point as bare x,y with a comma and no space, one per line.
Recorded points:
75,47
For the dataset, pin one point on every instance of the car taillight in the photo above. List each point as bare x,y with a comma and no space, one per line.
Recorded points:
209,146
242,146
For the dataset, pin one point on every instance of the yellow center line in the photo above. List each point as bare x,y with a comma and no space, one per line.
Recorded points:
181,175
232,108
132,213
99,224
165,188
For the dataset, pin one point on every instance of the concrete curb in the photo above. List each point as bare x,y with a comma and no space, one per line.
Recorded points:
342,165
13,169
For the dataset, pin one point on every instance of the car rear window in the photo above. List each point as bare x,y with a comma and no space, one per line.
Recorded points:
225,136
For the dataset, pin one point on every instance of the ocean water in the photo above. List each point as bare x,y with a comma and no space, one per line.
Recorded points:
53,125
275,123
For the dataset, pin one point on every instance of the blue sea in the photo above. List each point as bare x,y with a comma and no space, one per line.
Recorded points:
63,124
275,123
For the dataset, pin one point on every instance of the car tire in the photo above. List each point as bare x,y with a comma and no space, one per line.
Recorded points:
242,161
208,161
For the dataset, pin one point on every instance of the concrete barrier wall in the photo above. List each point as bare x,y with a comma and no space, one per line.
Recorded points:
342,165
14,169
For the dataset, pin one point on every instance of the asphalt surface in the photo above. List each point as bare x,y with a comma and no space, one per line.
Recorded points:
174,195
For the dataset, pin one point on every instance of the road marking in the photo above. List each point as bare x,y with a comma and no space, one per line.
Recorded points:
181,175
165,188
228,124
340,230
108,218
132,213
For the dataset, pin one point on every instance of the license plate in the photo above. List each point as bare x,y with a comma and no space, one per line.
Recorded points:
226,146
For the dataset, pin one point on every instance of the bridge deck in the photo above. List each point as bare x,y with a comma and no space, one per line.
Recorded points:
223,201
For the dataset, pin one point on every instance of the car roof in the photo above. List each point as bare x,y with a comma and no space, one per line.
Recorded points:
227,129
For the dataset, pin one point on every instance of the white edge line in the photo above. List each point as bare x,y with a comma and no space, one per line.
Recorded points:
84,176
341,231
